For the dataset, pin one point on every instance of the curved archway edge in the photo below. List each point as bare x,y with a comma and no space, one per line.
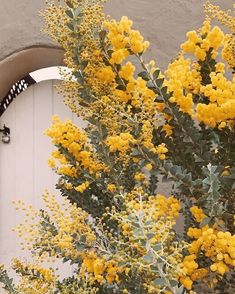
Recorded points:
21,63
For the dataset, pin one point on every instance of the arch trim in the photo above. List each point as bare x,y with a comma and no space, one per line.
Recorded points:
20,63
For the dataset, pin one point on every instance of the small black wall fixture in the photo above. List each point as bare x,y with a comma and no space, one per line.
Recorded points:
15,90
6,134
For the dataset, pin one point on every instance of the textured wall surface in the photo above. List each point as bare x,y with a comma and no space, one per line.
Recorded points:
20,25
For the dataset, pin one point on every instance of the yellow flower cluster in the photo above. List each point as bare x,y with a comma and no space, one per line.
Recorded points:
65,231
104,271
123,38
155,208
146,136
139,177
137,93
228,20
92,19
191,271
146,139
225,17
200,44
57,236
214,244
217,245
183,81
121,103
74,140
70,219
113,107
26,229
119,56
34,276
67,171
221,94
167,206
97,76
106,75
111,188
70,223
127,71
161,150
228,52
198,213
66,134
185,78
168,129
81,188
146,226
121,143
34,269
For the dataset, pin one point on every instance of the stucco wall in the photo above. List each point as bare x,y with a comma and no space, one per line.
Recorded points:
163,23
20,26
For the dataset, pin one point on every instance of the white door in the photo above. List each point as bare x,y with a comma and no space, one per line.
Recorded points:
24,174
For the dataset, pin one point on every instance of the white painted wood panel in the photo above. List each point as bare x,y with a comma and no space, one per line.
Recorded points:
24,173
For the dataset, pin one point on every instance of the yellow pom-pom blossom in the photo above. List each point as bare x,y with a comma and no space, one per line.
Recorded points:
197,213
139,177
186,80
217,245
199,44
214,244
81,188
183,81
106,75
149,167
221,94
66,134
111,188
119,56
228,52
121,35
161,150
127,71
120,143
75,141
101,270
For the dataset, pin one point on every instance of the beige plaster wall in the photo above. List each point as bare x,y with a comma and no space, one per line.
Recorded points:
20,26
163,23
